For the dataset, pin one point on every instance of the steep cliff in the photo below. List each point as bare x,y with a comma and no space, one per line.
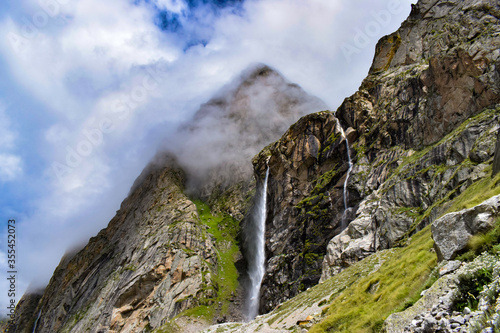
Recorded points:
154,260
421,128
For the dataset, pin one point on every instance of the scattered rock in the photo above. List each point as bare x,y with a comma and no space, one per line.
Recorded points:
450,267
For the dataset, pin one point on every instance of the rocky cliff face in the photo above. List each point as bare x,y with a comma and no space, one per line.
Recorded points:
306,171
153,261
427,117
421,129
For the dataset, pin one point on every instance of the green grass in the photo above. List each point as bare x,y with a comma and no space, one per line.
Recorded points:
170,327
483,242
224,230
476,193
394,286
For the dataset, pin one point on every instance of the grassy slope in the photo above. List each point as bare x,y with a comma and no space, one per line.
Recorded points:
477,193
395,285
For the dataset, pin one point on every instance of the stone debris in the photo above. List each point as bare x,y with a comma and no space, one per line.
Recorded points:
438,314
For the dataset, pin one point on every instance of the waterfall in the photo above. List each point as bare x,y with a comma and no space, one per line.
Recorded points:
348,172
346,203
350,165
256,265
36,321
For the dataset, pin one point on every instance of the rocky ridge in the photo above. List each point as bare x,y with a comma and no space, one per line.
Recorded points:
427,118
128,277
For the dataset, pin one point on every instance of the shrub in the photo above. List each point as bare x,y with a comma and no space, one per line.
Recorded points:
469,287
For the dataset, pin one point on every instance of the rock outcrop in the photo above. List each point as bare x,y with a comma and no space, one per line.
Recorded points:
307,167
496,160
452,232
436,310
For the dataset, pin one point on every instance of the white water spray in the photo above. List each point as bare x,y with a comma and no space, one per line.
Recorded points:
348,172
256,265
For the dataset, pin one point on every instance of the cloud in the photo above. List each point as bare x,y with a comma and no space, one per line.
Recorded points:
111,84
10,163
10,167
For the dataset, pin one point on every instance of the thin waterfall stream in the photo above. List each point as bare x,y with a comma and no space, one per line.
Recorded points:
256,266
346,203
36,321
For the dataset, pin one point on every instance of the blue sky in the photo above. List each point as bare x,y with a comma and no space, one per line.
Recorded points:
89,89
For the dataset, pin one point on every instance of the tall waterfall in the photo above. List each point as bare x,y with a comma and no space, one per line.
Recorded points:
348,171
346,203
256,265
350,164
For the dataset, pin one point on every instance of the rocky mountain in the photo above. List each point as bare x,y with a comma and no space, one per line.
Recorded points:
164,253
421,129
350,197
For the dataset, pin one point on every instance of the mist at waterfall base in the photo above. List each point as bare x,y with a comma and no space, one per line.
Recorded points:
255,250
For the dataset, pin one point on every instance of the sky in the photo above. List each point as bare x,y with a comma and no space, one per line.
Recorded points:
89,89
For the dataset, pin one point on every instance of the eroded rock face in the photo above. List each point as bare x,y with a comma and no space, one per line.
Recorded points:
427,118
149,264
307,169
452,231
409,189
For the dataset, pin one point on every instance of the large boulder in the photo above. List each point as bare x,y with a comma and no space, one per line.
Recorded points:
452,232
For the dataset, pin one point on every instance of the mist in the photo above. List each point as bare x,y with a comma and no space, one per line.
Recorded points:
92,91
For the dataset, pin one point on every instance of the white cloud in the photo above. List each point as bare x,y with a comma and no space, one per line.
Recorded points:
10,163
175,6
10,167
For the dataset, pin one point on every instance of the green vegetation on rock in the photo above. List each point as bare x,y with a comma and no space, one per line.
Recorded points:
395,285
477,193
223,230
483,242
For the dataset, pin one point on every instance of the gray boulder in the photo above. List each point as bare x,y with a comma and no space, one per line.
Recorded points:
452,232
